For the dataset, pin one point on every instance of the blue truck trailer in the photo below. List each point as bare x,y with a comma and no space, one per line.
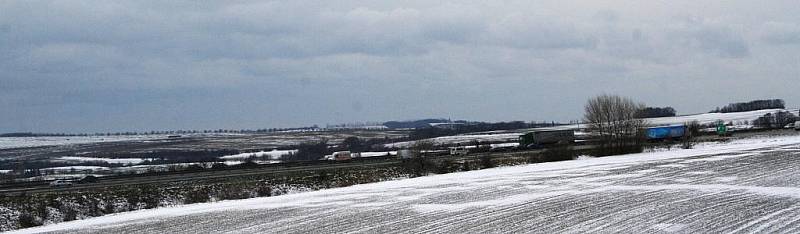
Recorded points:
666,132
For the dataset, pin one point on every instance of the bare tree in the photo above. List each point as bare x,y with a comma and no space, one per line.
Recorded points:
420,147
418,164
613,119
692,131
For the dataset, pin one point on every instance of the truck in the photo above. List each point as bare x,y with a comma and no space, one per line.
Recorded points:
60,183
406,154
341,156
666,132
540,138
459,150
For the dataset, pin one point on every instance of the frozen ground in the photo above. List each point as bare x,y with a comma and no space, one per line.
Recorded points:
124,161
740,120
746,185
274,154
19,142
461,139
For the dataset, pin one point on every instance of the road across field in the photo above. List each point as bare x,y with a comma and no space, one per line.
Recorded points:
743,186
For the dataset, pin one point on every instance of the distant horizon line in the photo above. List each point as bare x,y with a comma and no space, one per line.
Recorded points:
248,130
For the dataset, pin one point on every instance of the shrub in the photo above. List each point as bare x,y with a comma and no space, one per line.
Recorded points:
558,154
27,220
486,161
418,166
448,166
198,195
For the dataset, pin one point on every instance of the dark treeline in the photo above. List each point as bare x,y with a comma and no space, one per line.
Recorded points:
751,106
779,119
655,112
355,144
308,152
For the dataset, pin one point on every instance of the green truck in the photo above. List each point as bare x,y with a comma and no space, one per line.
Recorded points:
722,129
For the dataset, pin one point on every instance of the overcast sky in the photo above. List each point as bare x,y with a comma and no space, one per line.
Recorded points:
86,66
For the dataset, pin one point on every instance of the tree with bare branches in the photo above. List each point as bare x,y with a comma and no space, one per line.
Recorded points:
613,119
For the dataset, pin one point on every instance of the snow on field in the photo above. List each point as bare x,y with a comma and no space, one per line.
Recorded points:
274,154
741,120
76,168
19,142
71,176
737,118
461,139
166,167
233,163
746,185
125,161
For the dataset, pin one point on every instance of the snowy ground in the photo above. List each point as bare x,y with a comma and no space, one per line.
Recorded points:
274,154
124,161
18,142
740,120
461,139
747,185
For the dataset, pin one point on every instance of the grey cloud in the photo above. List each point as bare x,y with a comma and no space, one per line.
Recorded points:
781,33
184,64
721,41
531,33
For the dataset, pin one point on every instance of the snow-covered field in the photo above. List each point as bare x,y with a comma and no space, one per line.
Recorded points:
746,185
461,139
124,161
76,168
18,142
274,154
740,120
